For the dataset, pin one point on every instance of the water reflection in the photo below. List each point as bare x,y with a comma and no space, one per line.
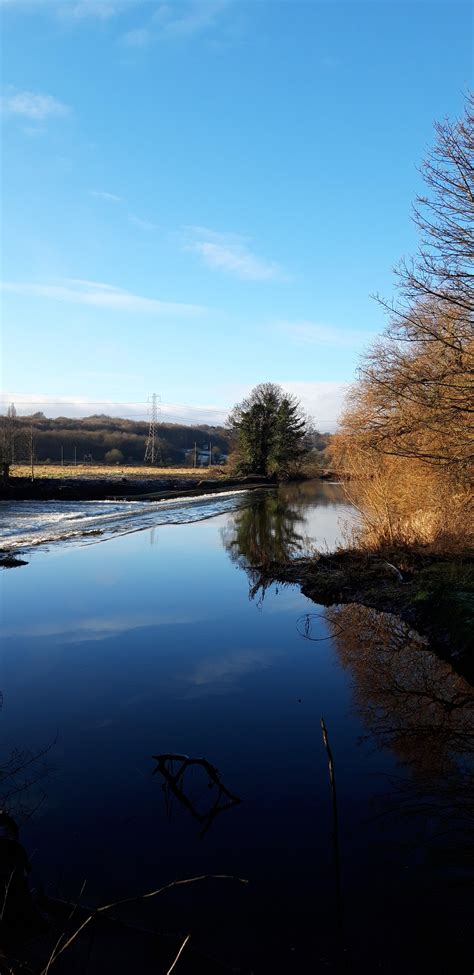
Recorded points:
268,530
296,520
414,703
179,782
23,773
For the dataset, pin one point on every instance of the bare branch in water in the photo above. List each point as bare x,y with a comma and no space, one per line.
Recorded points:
174,781
179,953
130,900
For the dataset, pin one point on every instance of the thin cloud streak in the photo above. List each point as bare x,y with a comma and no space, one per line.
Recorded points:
108,197
79,292
311,333
192,18
32,105
230,253
86,9
142,224
182,21
139,37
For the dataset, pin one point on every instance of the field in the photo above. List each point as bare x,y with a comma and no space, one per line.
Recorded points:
108,472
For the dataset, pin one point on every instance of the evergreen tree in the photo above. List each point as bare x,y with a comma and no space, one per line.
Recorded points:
270,429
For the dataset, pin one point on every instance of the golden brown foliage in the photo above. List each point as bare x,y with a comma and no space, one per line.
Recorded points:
407,434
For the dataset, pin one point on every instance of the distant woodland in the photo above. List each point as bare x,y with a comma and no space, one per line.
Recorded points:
107,439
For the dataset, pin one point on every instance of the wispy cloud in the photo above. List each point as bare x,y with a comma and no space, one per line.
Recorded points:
139,222
142,224
312,333
187,19
174,21
67,10
32,105
101,628
108,197
87,9
138,37
79,292
231,253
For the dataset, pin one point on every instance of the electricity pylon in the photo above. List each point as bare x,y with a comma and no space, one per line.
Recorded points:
151,449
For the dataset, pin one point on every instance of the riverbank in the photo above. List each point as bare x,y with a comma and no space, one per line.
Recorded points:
435,595
122,488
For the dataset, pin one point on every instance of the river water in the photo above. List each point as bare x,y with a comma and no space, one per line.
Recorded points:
156,639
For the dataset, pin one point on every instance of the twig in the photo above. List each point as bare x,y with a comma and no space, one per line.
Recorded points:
337,858
179,953
130,900
394,567
7,891
62,935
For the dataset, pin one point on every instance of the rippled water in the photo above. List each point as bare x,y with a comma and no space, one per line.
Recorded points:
27,523
160,641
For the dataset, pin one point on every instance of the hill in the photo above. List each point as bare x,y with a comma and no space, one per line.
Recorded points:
91,438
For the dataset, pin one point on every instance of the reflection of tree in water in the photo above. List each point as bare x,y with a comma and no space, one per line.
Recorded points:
265,531
415,704
22,774
324,494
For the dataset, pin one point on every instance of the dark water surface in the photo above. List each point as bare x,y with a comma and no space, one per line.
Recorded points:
147,644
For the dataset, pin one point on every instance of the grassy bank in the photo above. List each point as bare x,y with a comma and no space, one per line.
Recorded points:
108,472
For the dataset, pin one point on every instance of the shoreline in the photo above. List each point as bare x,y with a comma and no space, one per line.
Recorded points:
433,594
125,489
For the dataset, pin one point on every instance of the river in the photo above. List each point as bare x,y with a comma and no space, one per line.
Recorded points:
155,638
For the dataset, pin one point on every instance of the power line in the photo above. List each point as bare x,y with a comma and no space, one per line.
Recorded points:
79,403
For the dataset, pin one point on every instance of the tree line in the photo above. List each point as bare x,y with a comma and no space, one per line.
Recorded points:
100,439
105,439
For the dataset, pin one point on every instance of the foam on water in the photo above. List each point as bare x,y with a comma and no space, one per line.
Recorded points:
27,523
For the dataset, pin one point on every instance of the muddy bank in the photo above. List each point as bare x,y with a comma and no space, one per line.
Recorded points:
79,489
434,595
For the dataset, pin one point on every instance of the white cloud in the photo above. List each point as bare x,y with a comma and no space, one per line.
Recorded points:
32,105
97,9
108,197
53,405
79,292
67,10
322,401
230,253
101,628
311,333
139,37
174,21
186,19
142,224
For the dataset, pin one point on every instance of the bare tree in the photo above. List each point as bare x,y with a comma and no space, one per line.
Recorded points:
407,432
442,269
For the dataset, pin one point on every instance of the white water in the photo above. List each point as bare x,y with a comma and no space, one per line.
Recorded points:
27,523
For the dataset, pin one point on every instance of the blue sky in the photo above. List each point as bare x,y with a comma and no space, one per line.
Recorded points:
200,196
